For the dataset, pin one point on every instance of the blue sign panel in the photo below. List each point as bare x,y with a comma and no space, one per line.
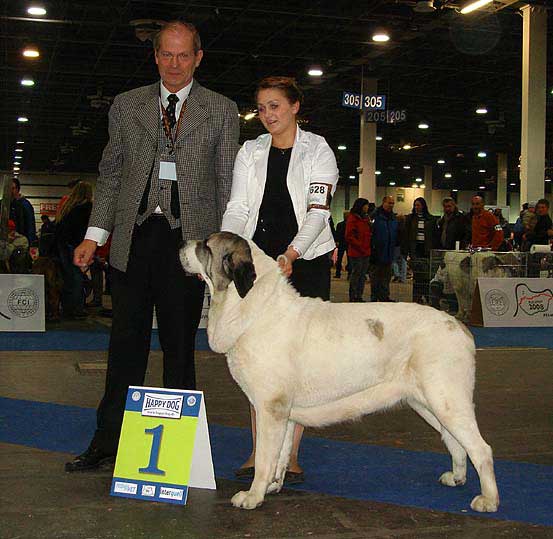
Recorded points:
365,102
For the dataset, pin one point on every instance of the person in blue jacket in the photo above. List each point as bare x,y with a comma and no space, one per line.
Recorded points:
384,240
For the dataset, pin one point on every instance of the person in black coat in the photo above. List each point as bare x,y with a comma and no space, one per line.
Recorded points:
341,243
417,243
452,227
70,232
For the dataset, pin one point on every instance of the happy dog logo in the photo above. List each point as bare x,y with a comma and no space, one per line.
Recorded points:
159,405
532,301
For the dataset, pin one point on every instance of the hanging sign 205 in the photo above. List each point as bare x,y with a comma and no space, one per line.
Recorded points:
388,116
365,102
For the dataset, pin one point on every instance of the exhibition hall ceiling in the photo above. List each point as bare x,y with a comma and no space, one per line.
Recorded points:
439,66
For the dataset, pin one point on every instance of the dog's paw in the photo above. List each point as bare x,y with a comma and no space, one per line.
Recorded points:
275,487
245,500
449,480
484,505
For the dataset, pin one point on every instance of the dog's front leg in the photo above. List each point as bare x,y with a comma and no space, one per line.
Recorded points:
271,429
283,459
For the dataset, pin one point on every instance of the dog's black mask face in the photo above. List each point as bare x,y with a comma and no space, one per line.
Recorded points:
230,260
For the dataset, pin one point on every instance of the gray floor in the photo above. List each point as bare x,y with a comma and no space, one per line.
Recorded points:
38,500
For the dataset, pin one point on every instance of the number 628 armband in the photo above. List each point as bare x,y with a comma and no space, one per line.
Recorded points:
320,195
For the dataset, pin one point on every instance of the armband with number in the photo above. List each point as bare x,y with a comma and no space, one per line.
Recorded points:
319,196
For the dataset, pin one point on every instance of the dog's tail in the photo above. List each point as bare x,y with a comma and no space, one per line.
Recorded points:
354,406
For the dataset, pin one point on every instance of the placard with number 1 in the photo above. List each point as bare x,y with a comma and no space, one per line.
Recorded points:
164,446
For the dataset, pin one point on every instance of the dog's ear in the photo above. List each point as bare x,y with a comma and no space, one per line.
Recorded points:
465,264
238,266
489,263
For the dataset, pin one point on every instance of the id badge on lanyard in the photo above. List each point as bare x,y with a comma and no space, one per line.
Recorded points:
167,163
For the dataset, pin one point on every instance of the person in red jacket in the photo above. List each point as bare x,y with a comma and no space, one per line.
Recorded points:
486,230
358,238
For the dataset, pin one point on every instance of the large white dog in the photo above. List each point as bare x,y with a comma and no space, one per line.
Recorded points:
302,360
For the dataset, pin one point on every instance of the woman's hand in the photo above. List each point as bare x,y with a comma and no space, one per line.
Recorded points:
286,260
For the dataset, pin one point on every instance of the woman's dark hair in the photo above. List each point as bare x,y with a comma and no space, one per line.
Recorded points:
357,207
425,211
287,85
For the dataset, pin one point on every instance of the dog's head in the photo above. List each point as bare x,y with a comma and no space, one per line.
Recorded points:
221,259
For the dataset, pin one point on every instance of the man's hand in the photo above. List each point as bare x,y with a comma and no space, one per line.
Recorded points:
84,253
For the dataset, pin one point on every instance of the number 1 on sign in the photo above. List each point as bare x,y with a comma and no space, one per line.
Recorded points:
154,451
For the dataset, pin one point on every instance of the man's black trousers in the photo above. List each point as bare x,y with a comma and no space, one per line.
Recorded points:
154,276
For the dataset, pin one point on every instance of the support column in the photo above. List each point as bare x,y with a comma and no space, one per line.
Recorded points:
534,57
501,199
427,192
367,150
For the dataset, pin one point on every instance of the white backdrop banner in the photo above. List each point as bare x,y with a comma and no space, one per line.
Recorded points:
22,302
516,302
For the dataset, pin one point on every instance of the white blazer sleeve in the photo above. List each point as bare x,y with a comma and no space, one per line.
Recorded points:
238,210
324,173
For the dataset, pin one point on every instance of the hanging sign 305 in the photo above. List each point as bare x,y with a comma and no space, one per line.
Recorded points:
365,102
388,116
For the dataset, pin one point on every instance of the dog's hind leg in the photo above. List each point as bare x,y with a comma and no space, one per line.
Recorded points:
458,455
271,425
283,459
456,413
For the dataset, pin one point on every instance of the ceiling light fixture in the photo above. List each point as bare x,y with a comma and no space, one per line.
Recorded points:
27,82
392,183
22,119
378,137
423,125
249,116
16,169
31,52
415,186
422,186
407,146
454,190
315,72
406,167
424,6
352,177
481,110
482,187
418,179
513,184
473,5
377,172
482,170
482,154
20,142
447,175
37,11
19,149
440,162
380,36
547,179
342,147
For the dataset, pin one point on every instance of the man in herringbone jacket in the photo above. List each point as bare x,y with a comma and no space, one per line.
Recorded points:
165,177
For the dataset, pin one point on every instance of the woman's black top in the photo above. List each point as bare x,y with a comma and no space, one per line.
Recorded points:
276,223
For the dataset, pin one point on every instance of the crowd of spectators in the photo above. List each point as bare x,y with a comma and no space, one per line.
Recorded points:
388,244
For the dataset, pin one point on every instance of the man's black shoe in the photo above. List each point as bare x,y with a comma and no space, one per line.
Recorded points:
91,459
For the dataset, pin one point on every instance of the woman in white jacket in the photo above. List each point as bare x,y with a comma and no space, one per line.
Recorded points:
281,191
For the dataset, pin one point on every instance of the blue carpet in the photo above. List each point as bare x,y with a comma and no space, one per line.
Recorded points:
356,471
98,340
75,340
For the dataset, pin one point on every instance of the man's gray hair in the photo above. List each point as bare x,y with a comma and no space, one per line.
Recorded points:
175,26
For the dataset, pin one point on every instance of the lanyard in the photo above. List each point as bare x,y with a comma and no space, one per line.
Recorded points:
166,126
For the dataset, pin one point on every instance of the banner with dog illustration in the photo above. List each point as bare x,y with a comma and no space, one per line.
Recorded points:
164,448
513,302
22,302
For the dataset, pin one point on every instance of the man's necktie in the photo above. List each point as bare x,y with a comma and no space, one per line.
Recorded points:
171,108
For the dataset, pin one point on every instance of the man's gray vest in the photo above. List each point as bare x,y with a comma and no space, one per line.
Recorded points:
162,193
